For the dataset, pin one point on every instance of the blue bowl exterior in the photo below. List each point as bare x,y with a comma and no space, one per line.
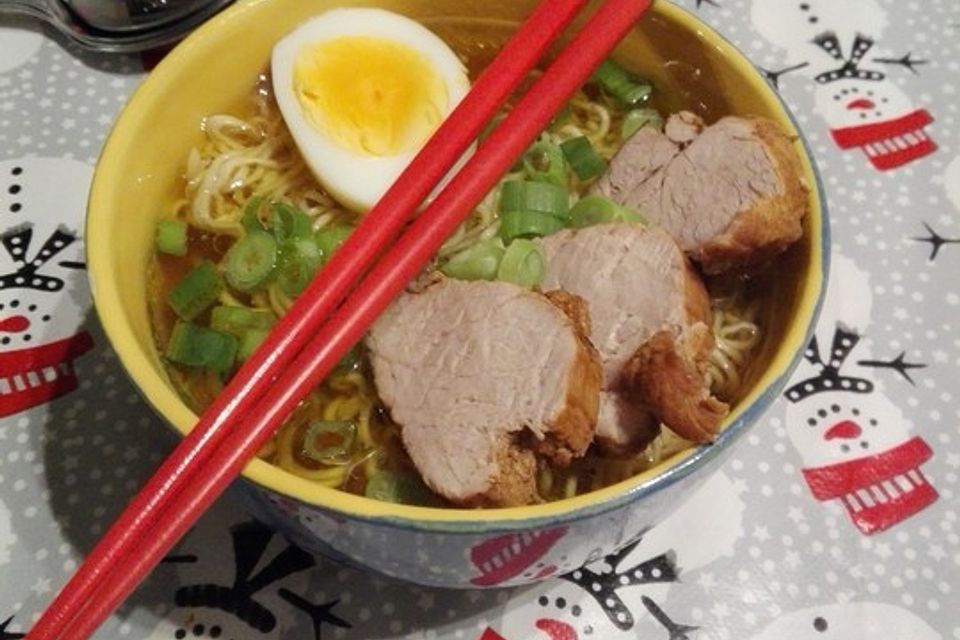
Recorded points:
511,553
520,554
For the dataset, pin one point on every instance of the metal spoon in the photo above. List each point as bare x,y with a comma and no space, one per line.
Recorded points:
118,27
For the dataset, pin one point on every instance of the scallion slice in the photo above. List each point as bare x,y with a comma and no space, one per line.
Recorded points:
199,289
563,116
194,346
528,224
583,158
251,219
330,238
238,320
524,264
401,488
543,162
171,237
299,260
249,263
250,340
621,84
597,209
329,441
478,262
350,362
639,118
288,222
541,197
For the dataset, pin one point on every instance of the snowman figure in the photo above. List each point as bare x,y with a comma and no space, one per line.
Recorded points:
834,45
609,597
43,291
259,590
18,44
855,443
862,620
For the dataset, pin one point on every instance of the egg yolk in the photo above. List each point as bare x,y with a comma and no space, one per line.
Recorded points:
369,95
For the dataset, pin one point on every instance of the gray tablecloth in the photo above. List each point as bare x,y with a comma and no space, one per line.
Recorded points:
796,538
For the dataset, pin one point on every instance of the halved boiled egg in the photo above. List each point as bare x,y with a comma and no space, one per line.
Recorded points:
361,91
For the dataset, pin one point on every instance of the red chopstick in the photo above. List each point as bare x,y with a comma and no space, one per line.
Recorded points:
375,231
382,284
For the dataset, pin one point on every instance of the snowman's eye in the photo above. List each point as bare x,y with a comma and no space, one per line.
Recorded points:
820,624
835,408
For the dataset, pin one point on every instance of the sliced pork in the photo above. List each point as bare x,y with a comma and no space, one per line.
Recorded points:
482,377
732,193
638,285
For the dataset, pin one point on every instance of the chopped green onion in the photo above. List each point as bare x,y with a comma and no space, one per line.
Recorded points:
489,127
329,441
528,224
171,237
541,197
250,341
330,238
288,222
199,289
638,118
478,262
401,488
544,162
621,84
564,115
349,362
597,209
299,260
249,263
524,264
251,219
583,158
194,346
238,320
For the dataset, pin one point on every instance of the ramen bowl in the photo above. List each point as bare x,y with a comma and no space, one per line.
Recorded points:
214,71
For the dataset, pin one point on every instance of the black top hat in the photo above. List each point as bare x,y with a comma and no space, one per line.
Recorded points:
829,378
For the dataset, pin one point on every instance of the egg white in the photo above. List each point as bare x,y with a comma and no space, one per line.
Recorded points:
356,180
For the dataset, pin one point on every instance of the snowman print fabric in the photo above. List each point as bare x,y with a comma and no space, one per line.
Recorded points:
855,442
43,289
838,46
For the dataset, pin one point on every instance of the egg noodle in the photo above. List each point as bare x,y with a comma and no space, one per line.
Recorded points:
242,158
